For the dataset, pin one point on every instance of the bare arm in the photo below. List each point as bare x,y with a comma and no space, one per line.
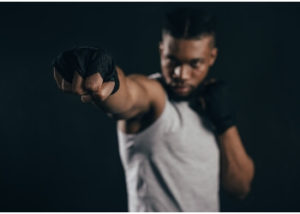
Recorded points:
237,168
136,95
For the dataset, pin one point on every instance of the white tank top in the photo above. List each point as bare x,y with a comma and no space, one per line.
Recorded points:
173,165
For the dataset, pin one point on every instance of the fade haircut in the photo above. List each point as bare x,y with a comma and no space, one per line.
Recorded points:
189,23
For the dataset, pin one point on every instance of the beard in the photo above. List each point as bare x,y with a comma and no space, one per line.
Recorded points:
173,95
177,96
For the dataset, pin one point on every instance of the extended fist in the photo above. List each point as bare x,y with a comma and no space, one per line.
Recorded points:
86,71
217,105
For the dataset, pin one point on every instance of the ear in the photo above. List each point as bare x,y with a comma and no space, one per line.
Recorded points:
213,56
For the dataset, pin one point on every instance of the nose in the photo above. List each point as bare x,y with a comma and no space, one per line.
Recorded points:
182,72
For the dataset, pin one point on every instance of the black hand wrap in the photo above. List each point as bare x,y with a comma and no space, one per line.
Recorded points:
218,106
86,61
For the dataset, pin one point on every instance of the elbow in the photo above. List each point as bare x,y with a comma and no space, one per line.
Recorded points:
238,189
237,182
239,185
243,191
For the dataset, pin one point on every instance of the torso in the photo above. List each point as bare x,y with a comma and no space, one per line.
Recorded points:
171,161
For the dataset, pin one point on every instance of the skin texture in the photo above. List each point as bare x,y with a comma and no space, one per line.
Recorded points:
140,101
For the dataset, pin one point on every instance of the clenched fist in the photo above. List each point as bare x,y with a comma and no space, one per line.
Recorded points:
87,71
217,105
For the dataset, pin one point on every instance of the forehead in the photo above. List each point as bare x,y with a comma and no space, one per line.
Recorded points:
187,48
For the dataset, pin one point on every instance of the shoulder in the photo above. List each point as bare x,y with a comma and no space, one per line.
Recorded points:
151,82
157,97
153,87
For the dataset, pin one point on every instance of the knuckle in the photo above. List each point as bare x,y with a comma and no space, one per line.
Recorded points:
91,86
102,96
85,98
77,90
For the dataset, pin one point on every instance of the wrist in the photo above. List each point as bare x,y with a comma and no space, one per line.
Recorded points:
228,132
223,125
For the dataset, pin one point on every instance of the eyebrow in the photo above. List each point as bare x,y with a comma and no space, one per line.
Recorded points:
195,60
172,57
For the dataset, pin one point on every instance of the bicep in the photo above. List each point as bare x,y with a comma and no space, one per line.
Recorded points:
146,95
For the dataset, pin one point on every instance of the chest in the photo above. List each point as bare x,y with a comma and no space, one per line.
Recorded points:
180,134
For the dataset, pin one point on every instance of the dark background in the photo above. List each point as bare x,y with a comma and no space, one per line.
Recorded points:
57,154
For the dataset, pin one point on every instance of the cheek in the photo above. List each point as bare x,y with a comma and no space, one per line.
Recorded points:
200,73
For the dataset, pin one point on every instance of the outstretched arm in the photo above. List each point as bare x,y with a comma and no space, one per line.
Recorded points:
136,94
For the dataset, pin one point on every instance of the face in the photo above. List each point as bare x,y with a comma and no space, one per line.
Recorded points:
186,62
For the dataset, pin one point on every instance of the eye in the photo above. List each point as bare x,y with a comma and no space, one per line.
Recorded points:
195,64
173,62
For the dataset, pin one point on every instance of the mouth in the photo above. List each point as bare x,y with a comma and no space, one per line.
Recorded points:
181,90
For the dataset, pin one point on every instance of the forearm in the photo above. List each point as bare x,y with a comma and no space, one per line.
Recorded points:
91,73
237,168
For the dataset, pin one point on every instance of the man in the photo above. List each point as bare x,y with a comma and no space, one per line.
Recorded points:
174,128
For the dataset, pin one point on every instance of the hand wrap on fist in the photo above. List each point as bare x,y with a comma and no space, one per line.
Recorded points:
86,61
218,105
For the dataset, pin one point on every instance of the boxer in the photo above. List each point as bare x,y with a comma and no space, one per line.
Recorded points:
176,129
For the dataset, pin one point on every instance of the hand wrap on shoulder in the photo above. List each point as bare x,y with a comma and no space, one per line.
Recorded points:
87,61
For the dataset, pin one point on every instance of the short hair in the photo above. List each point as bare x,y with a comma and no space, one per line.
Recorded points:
189,23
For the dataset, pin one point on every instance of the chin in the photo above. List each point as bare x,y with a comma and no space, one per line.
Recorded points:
179,95
182,94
